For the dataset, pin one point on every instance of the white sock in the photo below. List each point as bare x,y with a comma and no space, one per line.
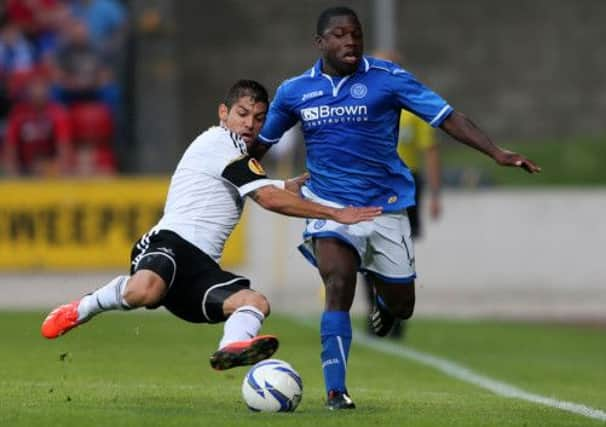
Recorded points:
243,324
108,297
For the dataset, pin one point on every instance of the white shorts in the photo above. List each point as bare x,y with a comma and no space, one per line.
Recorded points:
384,244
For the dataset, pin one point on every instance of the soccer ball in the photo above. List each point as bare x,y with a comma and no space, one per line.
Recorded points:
272,386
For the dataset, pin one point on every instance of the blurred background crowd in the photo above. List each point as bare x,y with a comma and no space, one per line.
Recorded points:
62,70
101,87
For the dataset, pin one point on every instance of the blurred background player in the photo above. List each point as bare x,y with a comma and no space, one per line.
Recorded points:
175,264
418,148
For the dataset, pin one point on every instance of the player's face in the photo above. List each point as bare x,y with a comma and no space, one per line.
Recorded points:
246,118
342,45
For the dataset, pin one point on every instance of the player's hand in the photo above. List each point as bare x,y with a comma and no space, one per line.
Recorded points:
294,184
509,158
352,215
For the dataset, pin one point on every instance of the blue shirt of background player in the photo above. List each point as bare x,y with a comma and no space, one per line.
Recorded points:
350,125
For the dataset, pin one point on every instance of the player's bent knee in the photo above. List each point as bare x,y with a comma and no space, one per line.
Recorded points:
144,288
246,297
261,303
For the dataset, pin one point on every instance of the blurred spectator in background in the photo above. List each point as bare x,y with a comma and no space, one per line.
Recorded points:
93,135
39,21
38,134
16,53
80,71
16,61
417,147
107,24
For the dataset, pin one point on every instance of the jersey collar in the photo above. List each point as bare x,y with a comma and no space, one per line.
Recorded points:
316,71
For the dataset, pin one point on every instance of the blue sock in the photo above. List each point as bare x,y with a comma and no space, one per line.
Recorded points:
335,331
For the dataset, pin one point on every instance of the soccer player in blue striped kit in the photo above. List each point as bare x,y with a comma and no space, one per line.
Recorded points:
349,107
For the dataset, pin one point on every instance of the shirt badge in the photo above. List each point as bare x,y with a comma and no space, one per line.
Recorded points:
256,167
319,224
358,91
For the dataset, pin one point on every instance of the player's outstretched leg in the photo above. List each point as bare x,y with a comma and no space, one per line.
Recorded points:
66,317
144,288
240,345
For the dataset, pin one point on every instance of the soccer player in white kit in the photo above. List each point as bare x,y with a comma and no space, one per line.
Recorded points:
175,264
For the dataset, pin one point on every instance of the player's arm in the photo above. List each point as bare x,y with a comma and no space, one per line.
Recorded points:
461,128
248,176
428,105
286,203
426,141
433,169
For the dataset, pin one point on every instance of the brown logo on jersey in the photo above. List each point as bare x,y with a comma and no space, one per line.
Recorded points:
256,167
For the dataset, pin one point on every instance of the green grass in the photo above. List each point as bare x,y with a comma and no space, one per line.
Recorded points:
573,162
129,369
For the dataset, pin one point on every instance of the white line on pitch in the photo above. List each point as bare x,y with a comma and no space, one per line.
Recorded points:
464,374
467,375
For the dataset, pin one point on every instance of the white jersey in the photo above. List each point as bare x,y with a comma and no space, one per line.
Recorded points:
206,194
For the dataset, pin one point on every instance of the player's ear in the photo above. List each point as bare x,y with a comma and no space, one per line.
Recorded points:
223,112
318,41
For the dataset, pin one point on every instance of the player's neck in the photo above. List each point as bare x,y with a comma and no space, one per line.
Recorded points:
331,70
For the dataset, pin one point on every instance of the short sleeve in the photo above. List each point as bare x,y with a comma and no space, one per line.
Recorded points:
247,174
280,118
419,99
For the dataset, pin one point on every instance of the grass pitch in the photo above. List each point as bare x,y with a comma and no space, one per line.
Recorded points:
128,369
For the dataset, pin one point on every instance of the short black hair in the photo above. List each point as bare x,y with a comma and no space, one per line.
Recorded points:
242,88
331,12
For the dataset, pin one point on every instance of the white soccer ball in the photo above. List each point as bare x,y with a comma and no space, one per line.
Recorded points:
272,386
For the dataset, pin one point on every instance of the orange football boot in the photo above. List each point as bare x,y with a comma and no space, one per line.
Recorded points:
61,320
241,353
